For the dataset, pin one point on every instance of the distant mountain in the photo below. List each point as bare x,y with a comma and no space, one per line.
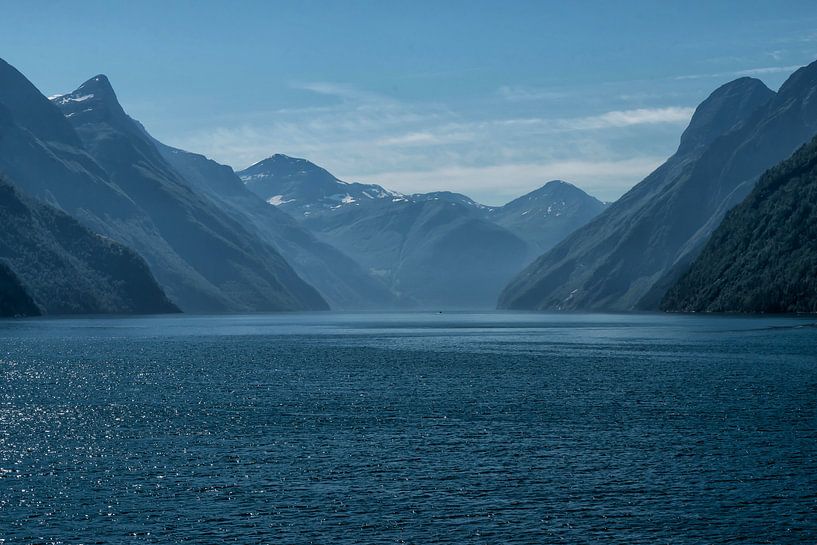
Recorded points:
628,256
436,253
439,249
338,278
448,196
544,217
763,257
51,264
300,187
83,154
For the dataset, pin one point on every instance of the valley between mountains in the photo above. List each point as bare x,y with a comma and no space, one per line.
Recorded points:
98,216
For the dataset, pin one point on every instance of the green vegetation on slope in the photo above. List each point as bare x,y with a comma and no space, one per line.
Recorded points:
63,268
763,257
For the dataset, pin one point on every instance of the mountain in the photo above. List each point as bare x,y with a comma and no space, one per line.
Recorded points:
53,265
242,267
301,188
763,257
436,253
447,196
544,217
339,279
629,255
438,249
84,155
14,298
432,250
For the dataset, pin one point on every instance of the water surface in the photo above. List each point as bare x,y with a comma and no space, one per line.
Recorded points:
409,428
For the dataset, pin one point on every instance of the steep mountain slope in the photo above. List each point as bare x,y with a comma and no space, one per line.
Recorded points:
42,153
14,298
763,257
203,260
630,254
64,268
339,279
249,272
544,217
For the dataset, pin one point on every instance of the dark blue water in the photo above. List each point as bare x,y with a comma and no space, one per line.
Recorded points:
415,428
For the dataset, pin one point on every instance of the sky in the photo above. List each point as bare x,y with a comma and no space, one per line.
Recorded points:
491,99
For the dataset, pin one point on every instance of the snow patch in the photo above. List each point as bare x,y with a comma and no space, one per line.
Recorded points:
65,99
278,200
253,177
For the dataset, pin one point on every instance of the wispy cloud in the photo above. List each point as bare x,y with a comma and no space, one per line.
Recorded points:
419,146
339,90
628,118
765,70
497,184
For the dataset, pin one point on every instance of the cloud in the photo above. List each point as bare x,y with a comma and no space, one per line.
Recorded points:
628,118
768,70
743,73
341,91
441,135
497,184
419,146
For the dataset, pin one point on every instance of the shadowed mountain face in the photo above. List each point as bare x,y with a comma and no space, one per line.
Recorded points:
763,257
14,298
52,264
627,257
436,250
338,278
83,154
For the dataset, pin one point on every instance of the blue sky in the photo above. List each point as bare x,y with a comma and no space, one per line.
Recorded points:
487,98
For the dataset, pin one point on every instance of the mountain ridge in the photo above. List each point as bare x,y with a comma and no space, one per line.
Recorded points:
250,275
398,237
626,256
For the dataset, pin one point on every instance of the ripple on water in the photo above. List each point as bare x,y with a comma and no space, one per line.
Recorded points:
334,430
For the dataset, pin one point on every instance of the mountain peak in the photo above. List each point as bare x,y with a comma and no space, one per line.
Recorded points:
98,84
284,166
802,79
93,100
556,184
554,189
553,195
728,105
